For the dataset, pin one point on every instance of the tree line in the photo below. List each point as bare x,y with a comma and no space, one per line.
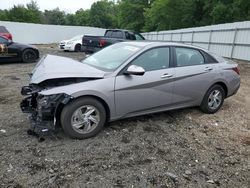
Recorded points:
137,15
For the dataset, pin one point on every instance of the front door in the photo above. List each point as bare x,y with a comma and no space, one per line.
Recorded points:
152,91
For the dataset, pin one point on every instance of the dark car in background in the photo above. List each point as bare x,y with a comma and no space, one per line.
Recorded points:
5,33
12,51
95,43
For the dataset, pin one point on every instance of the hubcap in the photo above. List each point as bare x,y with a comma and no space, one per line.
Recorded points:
214,99
85,119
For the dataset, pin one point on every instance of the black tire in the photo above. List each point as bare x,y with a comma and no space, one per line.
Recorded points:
205,107
68,113
78,47
29,56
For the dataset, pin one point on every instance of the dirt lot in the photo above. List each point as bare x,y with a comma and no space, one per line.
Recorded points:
183,148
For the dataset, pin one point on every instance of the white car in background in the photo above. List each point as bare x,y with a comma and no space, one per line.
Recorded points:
74,44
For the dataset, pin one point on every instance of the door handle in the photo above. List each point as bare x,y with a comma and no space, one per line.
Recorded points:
207,69
166,75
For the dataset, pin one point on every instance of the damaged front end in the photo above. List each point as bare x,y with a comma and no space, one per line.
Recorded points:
42,109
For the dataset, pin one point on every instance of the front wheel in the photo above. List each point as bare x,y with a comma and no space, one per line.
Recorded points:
29,56
213,99
83,118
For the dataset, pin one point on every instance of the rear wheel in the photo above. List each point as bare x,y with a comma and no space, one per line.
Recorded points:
83,118
77,47
29,56
213,99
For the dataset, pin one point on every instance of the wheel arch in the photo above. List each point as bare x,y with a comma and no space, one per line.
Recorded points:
77,44
220,83
61,105
29,48
223,85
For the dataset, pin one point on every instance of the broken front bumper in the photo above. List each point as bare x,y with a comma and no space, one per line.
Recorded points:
42,109
41,119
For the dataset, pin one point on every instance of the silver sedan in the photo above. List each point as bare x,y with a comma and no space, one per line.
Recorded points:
124,80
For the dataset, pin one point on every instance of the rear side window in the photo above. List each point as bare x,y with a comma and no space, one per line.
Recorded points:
154,59
188,57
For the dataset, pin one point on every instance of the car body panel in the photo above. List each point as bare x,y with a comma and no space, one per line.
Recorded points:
51,66
69,45
104,91
192,82
129,95
12,51
135,94
5,33
93,43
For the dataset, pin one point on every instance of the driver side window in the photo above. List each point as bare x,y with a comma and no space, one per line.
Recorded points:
154,59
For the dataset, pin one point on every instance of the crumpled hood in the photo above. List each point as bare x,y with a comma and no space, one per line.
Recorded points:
51,67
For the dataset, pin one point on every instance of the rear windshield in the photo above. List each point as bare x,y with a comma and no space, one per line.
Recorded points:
3,30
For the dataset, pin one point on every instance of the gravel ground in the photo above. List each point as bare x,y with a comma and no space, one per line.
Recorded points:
183,148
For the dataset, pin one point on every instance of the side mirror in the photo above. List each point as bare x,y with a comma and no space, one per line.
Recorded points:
135,70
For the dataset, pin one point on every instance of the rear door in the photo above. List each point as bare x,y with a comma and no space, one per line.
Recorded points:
194,76
149,92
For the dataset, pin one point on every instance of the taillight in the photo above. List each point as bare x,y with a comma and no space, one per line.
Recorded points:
102,43
10,37
237,70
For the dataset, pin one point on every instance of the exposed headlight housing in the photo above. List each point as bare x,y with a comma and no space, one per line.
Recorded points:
45,100
52,100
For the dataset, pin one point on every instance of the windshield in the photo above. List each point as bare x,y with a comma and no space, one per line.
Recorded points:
110,58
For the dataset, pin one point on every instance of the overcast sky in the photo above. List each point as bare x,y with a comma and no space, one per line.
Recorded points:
70,6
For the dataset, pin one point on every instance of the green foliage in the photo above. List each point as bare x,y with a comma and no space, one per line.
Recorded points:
82,17
101,14
130,14
3,15
20,13
137,15
55,17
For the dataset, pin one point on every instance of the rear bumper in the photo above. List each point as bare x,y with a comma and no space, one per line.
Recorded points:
234,90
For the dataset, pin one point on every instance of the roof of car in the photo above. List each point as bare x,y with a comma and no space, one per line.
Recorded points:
160,43
3,30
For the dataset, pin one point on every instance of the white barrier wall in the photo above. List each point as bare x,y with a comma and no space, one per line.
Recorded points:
230,40
45,34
